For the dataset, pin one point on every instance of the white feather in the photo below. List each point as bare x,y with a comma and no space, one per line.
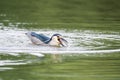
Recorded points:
54,41
34,39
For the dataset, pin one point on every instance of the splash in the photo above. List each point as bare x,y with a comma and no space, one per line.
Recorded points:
13,41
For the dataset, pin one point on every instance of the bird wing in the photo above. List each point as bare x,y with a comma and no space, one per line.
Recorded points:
41,37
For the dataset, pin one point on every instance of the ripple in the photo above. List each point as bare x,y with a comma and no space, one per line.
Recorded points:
11,62
13,41
5,68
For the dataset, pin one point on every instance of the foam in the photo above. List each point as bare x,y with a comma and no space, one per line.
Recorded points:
13,41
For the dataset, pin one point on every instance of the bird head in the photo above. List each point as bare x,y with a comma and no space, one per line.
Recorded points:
60,40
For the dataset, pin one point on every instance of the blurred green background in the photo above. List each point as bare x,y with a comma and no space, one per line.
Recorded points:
62,13
95,15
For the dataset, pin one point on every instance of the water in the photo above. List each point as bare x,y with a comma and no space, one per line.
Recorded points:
90,54
78,41
91,28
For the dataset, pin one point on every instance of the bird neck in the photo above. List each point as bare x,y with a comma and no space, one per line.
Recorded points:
54,42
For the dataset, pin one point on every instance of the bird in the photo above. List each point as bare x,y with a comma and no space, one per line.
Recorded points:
41,39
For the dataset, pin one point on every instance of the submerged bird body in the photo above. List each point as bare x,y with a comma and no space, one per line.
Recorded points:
40,39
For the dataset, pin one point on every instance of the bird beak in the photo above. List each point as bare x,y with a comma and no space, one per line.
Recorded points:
63,42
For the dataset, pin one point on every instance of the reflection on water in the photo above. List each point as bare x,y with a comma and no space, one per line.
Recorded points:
91,55
62,66
92,30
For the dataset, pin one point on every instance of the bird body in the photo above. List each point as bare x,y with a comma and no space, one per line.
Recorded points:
41,39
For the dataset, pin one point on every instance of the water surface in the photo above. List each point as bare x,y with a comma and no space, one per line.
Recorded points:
91,28
90,55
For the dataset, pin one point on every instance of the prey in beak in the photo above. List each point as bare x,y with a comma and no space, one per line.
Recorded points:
40,39
62,41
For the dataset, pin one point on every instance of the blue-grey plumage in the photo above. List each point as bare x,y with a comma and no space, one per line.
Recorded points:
41,39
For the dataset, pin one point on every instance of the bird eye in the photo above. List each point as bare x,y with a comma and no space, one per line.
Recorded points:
58,39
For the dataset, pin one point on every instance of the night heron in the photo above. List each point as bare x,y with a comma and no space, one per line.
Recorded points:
41,39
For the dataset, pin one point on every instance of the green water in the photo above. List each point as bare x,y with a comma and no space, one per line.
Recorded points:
66,67
69,15
65,14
